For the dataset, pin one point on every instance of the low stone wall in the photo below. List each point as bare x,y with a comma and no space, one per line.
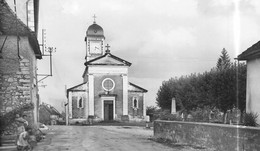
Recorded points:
218,137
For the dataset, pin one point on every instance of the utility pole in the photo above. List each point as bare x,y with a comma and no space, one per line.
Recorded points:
66,107
49,50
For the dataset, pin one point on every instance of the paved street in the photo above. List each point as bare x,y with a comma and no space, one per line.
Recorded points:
101,138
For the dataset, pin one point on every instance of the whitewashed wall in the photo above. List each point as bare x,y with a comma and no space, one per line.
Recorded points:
253,87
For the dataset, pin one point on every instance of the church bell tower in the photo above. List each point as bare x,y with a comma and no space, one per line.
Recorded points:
94,41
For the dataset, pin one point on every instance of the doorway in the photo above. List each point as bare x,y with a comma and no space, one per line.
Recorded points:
108,110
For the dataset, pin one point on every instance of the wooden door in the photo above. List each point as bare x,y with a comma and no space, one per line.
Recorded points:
108,110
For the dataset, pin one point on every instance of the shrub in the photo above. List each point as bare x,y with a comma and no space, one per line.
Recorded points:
200,115
166,115
8,118
250,119
152,111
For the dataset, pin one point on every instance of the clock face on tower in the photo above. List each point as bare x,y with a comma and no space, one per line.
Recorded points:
95,47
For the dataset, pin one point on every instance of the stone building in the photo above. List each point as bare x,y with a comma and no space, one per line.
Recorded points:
48,114
19,51
105,94
252,57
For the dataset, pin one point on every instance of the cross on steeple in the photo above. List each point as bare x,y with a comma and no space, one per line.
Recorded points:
94,18
107,46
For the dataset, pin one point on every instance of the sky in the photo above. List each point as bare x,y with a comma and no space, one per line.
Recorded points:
162,39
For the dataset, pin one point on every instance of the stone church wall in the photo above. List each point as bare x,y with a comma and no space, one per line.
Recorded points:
135,113
76,111
118,90
17,76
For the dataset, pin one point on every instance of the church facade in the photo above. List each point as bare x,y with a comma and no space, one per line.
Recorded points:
105,94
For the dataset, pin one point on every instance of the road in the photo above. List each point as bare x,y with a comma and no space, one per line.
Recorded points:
101,138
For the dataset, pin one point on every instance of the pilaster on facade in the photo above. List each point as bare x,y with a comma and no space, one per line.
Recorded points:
70,105
91,94
125,94
86,101
144,106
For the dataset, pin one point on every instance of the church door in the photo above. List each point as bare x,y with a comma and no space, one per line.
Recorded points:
108,110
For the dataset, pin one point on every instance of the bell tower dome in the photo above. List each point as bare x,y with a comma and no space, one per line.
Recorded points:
94,41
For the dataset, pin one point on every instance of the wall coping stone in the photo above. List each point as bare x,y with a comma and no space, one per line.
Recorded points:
211,124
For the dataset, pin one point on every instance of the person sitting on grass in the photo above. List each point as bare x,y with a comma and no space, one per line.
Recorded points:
22,142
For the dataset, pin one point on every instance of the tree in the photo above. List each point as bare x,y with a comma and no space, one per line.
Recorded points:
224,83
225,89
186,92
164,96
204,90
167,92
241,88
224,60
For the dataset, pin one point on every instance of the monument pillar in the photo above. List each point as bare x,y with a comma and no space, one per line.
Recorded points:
173,107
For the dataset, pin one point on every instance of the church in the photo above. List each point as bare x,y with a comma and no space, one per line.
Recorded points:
106,93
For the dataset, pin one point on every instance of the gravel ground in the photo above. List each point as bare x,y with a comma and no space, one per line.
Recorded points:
105,138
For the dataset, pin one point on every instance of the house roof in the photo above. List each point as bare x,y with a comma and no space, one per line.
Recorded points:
252,52
78,87
135,88
108,59
50,109
11,25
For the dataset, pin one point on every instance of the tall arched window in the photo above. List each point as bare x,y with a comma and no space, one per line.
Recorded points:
135,102
80,102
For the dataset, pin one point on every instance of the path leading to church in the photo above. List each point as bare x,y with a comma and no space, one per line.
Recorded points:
101,138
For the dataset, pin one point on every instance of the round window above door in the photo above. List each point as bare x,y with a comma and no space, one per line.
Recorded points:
108,84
